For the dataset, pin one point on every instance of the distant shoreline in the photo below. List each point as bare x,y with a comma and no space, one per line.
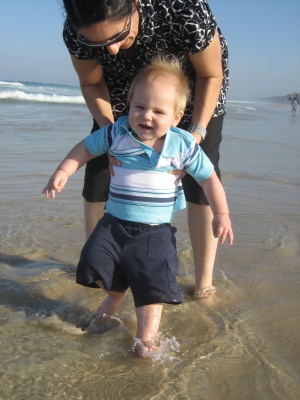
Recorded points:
280,99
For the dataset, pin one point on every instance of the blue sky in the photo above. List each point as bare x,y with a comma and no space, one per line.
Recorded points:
263,38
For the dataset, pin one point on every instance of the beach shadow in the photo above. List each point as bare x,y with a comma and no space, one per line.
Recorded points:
22,293
23,262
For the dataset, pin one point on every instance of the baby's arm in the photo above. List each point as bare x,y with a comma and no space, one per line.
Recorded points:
75,159
215,194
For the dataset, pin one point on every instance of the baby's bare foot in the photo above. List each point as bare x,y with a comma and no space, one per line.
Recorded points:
110,306
104,318
204,293
100,326
145,348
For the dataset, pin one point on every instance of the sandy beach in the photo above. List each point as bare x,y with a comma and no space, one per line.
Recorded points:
242,345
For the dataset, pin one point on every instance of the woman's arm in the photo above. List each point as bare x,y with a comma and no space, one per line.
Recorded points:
94,89
96,95
209,76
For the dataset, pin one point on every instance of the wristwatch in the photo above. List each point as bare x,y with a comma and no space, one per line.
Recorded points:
200,129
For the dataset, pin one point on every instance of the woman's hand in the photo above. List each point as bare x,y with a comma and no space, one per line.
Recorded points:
179,173
113,161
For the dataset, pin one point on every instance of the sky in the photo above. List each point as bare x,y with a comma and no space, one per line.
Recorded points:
263,37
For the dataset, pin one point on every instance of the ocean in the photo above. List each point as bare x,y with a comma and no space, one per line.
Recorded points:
244,344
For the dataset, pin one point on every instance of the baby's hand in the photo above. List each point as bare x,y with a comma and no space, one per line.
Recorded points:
221,225
56,182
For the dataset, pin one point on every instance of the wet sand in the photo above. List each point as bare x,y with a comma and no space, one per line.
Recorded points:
242,345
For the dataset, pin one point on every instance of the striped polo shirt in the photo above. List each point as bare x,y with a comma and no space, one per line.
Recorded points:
141,189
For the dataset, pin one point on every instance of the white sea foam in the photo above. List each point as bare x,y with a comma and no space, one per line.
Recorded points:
240,108
11,83
40,92
241,101
53,98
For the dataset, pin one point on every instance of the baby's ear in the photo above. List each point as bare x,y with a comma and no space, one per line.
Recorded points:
177,118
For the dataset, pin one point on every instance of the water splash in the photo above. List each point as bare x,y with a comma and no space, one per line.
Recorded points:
54,322
98,326
168,349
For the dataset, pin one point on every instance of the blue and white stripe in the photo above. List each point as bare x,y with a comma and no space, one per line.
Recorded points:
141,189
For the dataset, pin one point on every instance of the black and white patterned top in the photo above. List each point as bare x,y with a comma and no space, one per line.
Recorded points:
175,27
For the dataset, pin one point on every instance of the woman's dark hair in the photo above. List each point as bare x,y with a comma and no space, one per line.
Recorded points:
84,13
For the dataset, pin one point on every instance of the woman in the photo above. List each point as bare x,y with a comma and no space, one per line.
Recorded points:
109,42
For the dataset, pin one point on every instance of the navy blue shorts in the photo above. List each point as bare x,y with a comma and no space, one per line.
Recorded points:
125,254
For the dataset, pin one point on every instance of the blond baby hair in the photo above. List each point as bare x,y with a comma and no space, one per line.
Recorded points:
158,67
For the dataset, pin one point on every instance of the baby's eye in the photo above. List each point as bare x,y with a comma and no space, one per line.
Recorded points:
140,107
159,112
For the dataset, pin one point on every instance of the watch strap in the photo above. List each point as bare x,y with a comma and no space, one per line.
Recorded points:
200,129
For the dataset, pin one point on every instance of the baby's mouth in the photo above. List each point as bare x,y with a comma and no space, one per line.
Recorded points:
145,127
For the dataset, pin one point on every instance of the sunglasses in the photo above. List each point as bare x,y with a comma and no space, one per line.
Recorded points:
118,38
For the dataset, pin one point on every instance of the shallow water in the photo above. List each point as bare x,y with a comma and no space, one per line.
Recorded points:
244,344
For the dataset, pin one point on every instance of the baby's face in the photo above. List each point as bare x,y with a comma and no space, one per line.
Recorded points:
152,109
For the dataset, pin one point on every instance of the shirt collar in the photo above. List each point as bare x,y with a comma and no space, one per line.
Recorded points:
171,144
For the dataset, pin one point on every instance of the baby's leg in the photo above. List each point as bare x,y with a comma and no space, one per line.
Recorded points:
110,306
148,321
